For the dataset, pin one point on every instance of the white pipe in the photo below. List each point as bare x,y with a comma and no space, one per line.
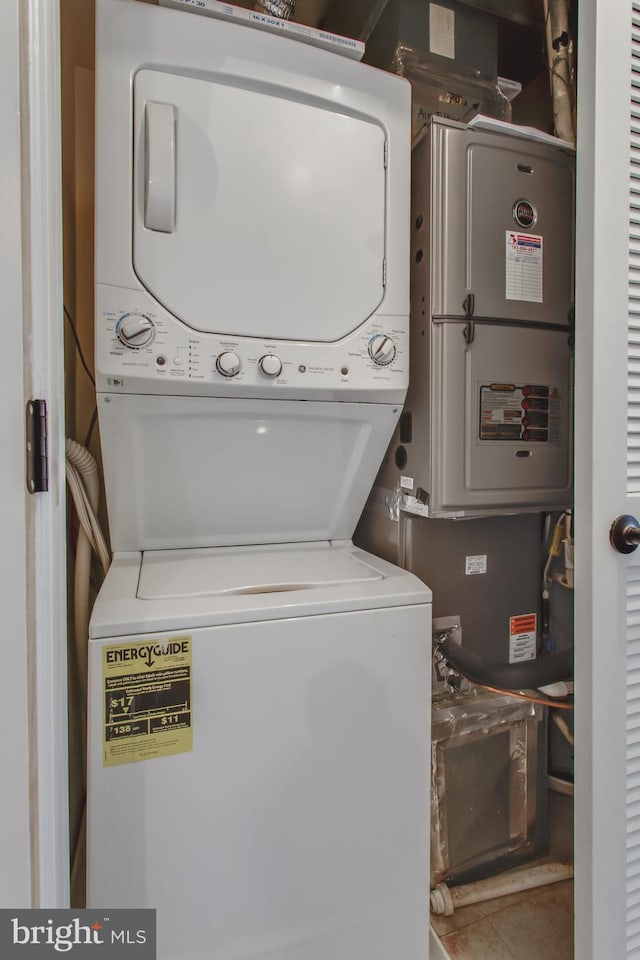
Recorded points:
445,900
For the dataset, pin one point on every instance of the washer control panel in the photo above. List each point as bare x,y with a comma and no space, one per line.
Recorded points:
140,347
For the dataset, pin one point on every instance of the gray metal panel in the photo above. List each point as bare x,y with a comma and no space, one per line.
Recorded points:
477,178
527,12
406,23
436,552
359,17
452,467
470,471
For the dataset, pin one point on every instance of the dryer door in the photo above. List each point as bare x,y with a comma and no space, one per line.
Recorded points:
256,214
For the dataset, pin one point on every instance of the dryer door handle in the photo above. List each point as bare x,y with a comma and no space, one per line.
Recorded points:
160,167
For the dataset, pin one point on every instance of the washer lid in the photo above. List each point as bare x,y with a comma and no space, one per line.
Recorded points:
257,211
248,571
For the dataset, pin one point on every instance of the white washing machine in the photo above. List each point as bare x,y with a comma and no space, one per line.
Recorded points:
258,687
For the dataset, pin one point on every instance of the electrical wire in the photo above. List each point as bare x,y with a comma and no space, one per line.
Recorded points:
92,424
557,704
78,346
552,545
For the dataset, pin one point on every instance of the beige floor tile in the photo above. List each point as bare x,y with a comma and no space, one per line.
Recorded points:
459,919
540,926
560,893
560,827
503,903
480,941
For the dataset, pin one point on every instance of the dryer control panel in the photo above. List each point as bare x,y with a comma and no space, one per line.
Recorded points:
142,348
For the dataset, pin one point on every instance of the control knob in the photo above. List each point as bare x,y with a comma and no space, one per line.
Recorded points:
270,365
134,330
228,364
382,349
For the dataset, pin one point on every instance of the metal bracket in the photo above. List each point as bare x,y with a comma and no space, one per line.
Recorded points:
469,332
37,452
572,325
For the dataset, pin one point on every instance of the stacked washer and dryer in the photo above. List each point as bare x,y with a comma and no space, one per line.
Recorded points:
258,687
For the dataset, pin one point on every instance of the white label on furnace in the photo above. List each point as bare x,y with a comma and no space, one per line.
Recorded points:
406,483
442,31
475,565
413,505
523,267
522,637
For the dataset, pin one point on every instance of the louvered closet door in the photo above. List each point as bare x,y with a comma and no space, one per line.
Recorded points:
607,464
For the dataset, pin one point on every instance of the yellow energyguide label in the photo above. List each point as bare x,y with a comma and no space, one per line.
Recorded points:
147,699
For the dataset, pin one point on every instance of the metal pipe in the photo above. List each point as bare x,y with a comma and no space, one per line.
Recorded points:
559,48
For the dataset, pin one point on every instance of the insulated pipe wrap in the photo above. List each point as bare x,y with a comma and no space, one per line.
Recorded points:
508,676
284,9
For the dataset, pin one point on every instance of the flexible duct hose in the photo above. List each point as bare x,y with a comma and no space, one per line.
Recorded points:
88,468
277,8
508,676
82,474
85,463
84,486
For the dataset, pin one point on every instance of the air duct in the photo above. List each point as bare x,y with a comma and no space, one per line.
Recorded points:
277,8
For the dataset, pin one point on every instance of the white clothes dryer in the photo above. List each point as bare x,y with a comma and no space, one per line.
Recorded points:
252,245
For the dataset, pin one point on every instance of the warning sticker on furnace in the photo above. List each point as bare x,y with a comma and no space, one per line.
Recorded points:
523,267
147,700
522,637
526,412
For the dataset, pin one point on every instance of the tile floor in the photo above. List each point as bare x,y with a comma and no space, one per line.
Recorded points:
524,926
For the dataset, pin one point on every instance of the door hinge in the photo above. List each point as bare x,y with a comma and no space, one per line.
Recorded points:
386,154
384,273
37,452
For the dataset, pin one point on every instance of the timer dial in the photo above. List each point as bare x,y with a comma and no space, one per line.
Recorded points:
134,330
382,349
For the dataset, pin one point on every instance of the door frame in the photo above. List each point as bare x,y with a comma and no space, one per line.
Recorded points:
34,835
602,263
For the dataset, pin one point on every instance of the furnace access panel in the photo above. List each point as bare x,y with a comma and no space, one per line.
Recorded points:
487,423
